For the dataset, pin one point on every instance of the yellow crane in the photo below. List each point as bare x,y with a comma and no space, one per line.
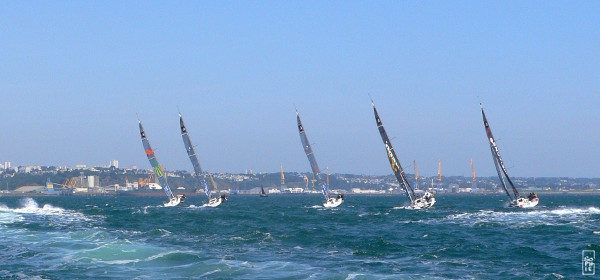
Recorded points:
416,174
474,176
69,183
146,181
306,182
282,176
440,174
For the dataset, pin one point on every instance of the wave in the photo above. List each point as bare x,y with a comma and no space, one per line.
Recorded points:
524,218
29,206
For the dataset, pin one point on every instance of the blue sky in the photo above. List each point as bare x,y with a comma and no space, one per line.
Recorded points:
73,75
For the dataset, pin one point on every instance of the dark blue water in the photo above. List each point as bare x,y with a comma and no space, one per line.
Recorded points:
293,237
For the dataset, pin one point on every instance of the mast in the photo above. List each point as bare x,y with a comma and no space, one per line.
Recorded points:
474,176
212,181
154,162
311,156
500,168
187,142
394,162
416,174
282,179
439,174
282,176
190,148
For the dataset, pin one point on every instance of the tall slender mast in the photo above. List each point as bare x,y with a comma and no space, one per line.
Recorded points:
190,148
439,174
154,162
500,168
191,151
311,157
394,163
327,169
416,174
282,176
474,176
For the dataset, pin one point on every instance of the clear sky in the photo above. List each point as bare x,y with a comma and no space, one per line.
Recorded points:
73,75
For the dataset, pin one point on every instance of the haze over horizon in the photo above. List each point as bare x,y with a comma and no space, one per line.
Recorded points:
73,76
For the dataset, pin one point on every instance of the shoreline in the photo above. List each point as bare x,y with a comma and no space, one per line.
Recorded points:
193,194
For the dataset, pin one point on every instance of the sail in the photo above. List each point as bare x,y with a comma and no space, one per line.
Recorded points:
206,191
311,157
187,142
262,190
190,148
500,168
394,162
213,183
154,162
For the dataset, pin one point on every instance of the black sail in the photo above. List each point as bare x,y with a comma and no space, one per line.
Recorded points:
187,142
311,157
394,162
500,168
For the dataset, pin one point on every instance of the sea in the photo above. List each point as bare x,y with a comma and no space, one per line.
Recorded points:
294,237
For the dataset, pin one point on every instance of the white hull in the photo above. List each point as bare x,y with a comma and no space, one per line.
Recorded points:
421,203
214,202
424,202
174,201
333,202
524,202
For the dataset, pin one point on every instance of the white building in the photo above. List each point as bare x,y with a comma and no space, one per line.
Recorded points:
93,181
28,169
132,185
114,163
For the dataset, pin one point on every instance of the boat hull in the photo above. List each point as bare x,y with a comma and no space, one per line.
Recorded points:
214,202
524,202
424,202
421,203
175,201
333,202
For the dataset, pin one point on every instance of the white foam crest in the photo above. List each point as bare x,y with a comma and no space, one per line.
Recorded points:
568,211
163,254
410,207
117,261
353,275
523,217
9,218
209,273
30,206
164,232
369,214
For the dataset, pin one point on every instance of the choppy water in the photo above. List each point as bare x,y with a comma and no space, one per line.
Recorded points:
293,237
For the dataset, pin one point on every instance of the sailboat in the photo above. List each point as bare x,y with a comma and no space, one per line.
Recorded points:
262,192
174,200
330,201
217,200
423,202
187,142
515,200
